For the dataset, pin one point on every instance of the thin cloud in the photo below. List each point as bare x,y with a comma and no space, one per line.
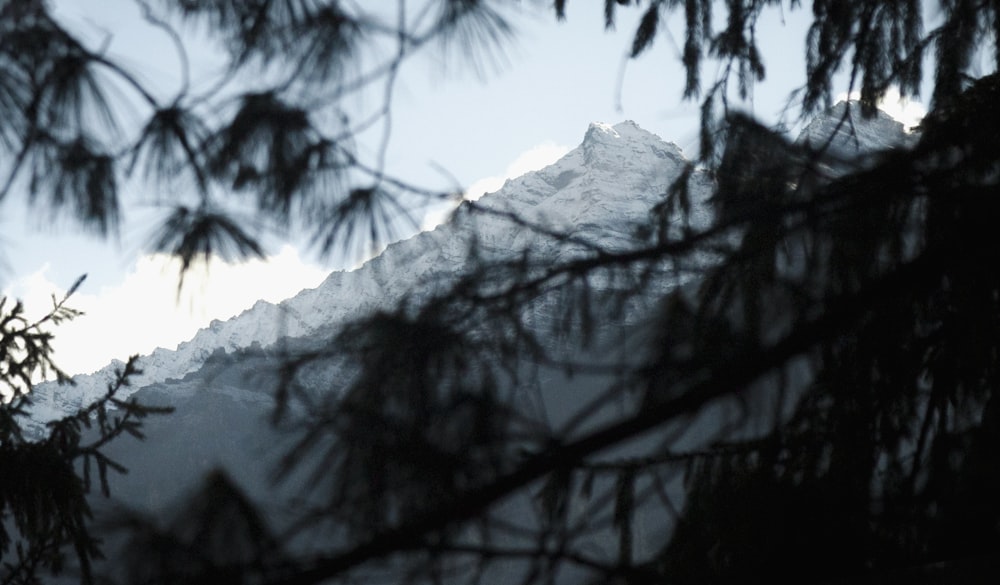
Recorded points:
144,311
533,159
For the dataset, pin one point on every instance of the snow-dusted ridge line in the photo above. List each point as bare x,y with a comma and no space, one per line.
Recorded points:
575,192
601,191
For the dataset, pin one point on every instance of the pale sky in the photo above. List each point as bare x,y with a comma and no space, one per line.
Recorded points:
450,125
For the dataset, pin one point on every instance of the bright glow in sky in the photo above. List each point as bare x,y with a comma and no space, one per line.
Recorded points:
143,310
904,110
533,159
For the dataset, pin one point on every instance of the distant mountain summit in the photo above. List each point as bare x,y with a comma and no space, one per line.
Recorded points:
843,131
601,192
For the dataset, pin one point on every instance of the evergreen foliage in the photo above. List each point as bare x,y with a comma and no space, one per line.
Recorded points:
45,477
845,309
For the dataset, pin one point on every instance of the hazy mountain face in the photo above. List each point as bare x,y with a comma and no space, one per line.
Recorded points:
601,192
221,381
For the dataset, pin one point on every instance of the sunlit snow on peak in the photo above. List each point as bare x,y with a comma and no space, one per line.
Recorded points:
604,127
905,110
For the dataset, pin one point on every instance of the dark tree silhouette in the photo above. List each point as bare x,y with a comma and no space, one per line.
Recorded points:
46,475
837,327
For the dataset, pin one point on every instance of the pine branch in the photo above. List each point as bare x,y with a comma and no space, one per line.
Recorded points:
839,318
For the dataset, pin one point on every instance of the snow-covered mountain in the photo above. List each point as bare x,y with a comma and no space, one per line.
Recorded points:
843,132
600,191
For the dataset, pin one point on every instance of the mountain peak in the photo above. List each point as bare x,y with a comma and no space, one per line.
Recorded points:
597,128
846,132
601,132
601,192
605,145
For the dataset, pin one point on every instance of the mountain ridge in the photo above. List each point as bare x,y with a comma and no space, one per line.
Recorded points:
223,400
577,193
